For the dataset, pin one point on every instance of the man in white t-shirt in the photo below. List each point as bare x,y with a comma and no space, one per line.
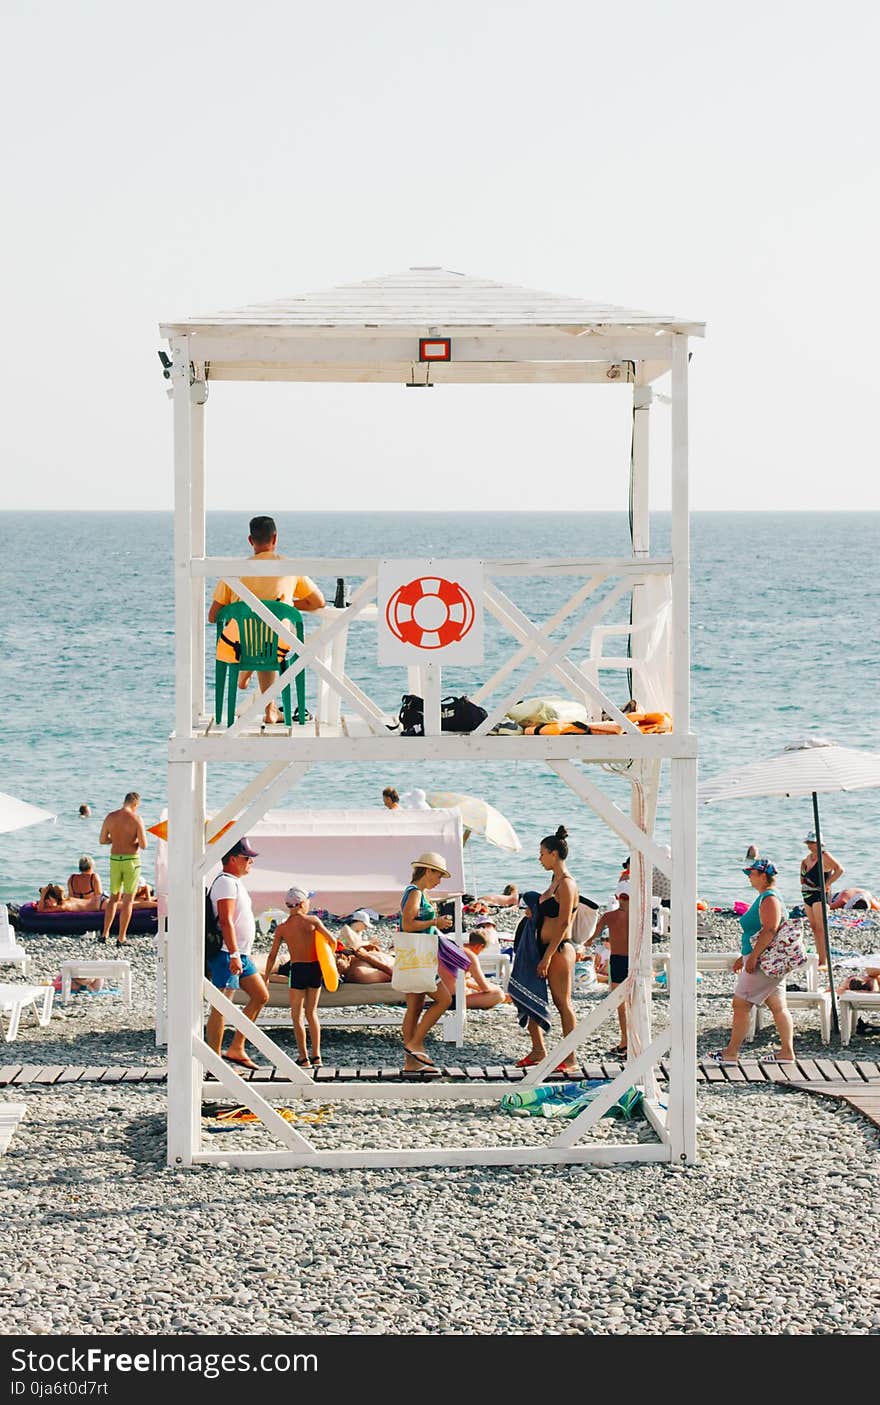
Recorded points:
232,966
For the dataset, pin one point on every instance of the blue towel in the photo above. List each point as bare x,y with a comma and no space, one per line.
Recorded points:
527,989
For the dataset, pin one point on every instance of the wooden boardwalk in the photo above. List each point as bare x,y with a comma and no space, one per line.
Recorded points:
857,1084
821,1074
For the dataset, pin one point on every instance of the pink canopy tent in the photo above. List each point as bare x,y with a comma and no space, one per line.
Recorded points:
348,858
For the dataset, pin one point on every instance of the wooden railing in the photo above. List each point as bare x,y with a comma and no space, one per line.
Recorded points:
566,648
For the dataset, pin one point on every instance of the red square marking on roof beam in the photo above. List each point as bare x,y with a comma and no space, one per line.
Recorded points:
435,349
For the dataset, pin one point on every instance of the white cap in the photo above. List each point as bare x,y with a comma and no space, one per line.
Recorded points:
415,800
622,890
484,922
295,896
361,915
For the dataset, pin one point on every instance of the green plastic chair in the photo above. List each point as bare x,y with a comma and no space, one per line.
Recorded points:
259,653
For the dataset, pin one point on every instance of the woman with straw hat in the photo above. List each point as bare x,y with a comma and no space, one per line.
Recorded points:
418,914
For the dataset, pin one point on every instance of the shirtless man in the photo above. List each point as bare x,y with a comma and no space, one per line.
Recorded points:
616,924
300,591
124,831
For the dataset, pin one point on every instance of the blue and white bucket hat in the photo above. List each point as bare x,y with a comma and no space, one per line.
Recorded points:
762,866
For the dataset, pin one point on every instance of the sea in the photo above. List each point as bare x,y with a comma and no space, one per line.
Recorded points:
784,646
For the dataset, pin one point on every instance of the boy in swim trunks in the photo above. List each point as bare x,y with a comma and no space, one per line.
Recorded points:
305,980
616,924
124,831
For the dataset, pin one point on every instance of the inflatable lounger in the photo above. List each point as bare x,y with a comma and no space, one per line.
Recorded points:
77,923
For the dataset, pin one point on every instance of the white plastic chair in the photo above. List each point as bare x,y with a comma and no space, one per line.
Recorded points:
11,954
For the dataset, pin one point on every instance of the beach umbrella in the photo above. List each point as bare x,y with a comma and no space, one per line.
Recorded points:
811,767
478,816
17,814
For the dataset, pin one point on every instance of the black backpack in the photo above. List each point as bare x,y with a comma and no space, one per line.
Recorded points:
411,716
213,935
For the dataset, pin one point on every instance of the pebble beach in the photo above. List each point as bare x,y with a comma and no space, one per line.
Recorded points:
761,1236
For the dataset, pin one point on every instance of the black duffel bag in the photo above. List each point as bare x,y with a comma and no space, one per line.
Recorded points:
461,715
456,715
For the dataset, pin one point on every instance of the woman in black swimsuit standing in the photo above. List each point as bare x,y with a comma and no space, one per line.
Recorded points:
556,911
812,884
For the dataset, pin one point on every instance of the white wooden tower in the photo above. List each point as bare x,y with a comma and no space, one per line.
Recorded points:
388,330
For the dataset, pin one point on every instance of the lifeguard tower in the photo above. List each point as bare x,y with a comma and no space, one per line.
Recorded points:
433,327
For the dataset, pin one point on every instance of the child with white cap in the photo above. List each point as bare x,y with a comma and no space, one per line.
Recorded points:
298,932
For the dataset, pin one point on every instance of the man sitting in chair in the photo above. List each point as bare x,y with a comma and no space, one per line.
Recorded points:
299,591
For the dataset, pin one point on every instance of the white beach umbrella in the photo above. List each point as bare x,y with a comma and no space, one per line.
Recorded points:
480,817
18,814
811,767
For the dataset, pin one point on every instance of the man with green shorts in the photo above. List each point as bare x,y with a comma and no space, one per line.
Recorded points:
124,831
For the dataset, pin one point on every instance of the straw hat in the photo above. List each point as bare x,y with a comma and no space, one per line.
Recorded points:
429,860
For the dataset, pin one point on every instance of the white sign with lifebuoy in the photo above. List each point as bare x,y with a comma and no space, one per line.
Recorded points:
430,612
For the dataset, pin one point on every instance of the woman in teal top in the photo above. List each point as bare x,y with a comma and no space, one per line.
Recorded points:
418,914
759,926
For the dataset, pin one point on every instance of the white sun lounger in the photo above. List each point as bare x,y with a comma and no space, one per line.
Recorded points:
849,1002
10,1116
16,998
11,954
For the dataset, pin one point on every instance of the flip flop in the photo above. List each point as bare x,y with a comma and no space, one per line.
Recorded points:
775,1059
242,1063
300,1063
528,1062
432,1072
570,1072
420,1058
715,1057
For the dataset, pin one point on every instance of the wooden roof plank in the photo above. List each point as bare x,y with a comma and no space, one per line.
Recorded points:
431,299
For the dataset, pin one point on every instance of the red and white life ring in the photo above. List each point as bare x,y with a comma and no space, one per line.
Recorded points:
430,612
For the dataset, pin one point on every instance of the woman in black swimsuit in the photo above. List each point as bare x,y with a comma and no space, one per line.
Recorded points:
811,890
556,911
85,883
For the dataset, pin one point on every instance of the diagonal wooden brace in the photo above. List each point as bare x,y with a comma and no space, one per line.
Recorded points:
246,1093
575,1129
582,1030
495,597
546,665
291,774
256,1036
244,797
569,672
615,818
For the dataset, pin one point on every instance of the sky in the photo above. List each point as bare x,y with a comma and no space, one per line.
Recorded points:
714,162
